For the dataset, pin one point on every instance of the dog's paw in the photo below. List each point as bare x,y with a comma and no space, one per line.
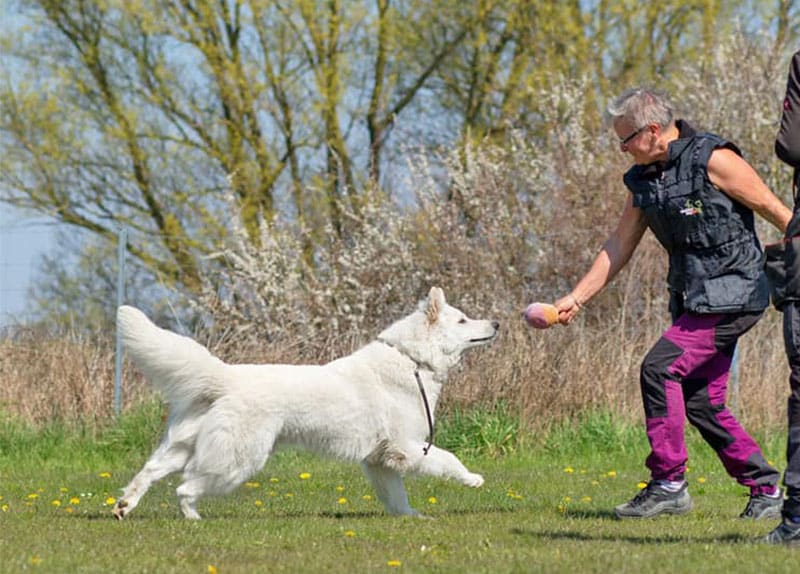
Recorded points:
473,480
119,510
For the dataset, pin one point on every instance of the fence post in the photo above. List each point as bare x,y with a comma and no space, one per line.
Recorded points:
122,243
734,378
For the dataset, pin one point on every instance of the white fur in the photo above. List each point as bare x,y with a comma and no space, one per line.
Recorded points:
226,420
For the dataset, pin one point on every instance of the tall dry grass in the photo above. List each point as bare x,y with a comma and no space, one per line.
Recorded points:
497,225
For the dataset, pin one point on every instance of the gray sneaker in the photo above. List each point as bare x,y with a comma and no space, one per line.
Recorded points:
787,532
762,506
653,500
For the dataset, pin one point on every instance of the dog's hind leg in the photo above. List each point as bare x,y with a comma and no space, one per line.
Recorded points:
388,485
168,458
223,459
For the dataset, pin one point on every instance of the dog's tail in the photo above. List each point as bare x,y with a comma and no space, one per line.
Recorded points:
182,369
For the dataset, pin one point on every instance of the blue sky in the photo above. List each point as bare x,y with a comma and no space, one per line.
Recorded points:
23,239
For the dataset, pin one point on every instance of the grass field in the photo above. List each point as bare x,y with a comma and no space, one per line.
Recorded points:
545,507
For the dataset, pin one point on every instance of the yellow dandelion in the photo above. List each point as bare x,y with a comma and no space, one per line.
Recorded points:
595,483
340,489
62,489
35,560
252,484
612,473
110,500
350,533
432,500
33,496
274,479
567,499
104,475
4,508
40,490
289,495
641,485
273,493
342,500
69,510
586,499
367,497
562,508
212,569
305,475
569,470
258,503
394,563
56,503
74,500
584,471
701,479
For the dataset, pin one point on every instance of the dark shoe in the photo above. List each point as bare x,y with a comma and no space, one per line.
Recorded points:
762,506
787,532
653,500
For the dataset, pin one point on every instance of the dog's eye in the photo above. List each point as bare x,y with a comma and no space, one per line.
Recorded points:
462,320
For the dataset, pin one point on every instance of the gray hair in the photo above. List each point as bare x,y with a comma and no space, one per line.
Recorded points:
641,107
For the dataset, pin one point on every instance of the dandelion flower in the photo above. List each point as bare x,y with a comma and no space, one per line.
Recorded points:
62,489
569,470
367,497
350,533
56,503
104,475
289,495
252,484
701,479
340,488
612,473
110,500
4,508
69,510
394,563
33,496
586,499
432,500
641,485
35,560
212,569
258,503
305,475
342,500
74,500
274,479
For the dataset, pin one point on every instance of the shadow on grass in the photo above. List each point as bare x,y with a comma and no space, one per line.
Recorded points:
644,539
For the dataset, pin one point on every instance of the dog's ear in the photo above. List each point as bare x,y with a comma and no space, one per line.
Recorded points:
435,304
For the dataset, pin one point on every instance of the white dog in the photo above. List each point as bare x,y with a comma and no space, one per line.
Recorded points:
374,406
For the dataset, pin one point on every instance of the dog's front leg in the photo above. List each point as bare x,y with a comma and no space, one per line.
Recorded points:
388,485
442,463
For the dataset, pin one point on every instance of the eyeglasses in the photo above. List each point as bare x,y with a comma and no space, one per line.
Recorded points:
627,140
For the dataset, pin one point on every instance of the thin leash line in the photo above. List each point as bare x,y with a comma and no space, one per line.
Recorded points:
425,449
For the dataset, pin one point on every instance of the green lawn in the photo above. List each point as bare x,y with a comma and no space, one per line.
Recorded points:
543,509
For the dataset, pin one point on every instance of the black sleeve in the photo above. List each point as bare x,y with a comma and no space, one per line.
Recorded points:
787,143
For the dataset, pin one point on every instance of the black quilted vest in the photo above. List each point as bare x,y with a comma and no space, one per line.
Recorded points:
715,258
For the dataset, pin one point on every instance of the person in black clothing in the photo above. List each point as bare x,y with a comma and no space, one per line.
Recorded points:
698,196
787,148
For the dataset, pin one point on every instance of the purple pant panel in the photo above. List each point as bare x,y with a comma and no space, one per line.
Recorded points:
694,350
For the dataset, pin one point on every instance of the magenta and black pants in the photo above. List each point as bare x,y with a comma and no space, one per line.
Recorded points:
685,376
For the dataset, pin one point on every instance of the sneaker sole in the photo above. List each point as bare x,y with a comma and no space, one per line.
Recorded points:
657,511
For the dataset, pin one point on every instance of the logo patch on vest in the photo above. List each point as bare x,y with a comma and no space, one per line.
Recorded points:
692,207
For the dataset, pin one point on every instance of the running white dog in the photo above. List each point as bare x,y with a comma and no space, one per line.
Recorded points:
369,407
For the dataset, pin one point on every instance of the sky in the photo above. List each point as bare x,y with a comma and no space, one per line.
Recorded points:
23,239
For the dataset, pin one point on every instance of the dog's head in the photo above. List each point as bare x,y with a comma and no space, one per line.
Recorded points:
437,334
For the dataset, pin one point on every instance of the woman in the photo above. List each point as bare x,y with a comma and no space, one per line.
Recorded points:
697,195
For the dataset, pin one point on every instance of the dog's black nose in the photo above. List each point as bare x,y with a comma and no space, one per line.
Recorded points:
496,325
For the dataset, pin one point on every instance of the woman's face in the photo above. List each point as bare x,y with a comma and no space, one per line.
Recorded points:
639,141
